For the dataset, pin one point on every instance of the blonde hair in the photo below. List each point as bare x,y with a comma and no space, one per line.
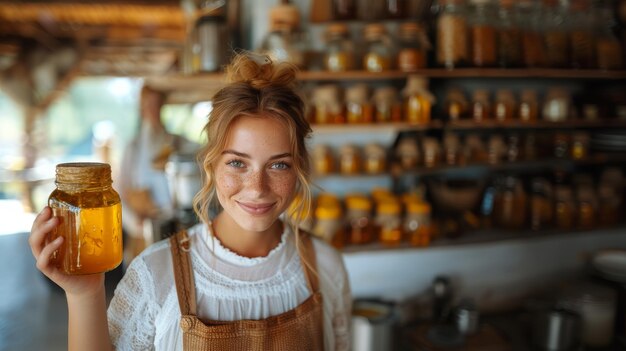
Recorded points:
258,90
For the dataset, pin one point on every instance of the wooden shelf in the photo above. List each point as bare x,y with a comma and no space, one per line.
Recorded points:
393,127
575,123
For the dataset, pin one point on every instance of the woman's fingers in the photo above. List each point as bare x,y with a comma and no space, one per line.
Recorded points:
43,259
43,224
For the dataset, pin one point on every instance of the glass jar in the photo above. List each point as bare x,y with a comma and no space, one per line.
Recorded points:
532,27
505,103
344,10
375,159
496,149
508,35
396,9
328,221
452,43
452,149
323,160
510,204
456,105
417,100
90,213
556,41
475,151
327,105
283,42
359,109
609,205
389,221
564,207
407,152
349,160
387,108
481,106
529,106
417,223
609,52
580,146
561,145
513,148
582,41
541,216
557,104
587,207
339,56
432,152
360,227
483,33
379,49
412,47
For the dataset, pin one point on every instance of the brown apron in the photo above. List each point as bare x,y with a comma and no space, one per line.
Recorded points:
299,329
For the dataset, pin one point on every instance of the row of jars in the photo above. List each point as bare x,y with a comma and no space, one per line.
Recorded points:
379,217
330,104
350,159
412,152
505,105
538,205
531,33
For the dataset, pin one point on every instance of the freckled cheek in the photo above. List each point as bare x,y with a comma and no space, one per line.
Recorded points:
228,183
284,185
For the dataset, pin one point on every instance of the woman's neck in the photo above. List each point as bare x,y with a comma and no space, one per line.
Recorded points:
246,243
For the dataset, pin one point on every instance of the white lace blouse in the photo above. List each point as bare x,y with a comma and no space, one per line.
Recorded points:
144,312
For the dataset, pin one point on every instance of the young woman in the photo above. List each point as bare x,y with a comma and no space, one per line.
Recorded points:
245,280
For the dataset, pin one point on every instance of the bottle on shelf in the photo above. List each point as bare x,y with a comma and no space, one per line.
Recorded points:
379,51
431,152
417,100
323,160
483,33
413,46
452,43
339,56
587,206
564,207
407,153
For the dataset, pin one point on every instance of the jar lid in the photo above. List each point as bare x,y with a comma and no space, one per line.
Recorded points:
374,31
418,207
327,198
284,15
389,205
385,95
358,202
328,211
357,93
409,28
337,29
83,173
375,149
379,194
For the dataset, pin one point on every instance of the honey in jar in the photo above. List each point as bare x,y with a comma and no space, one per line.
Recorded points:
379,52
388,219
360,227
417,223
90,219
417,100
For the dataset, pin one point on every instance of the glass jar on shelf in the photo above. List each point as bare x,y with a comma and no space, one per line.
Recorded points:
452,149
496,149
360,226
327,104
510,204
609,51
407,153
328,221
513,148
456,105
344,10
582,40
339,56
531,24
349,160
561,145
413,46
483,33
580,146
389,221
508,35
587,207
358,107
431,151
541,204
564,207
481,106
529,106
323,160
375,157
504,106
379,52
387,107
475,151
452,43
417,100
556,41
609,205
283,42
557,105
417,222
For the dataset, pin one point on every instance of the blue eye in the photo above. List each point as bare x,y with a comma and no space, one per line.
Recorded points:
280,165
235,163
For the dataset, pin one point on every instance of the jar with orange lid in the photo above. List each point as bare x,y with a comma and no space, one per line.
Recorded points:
323,160
417,223
339,56
375,159
359,224
483,33
418,100
412,47
389,221
379,50
358,107
504,107
481,106
452,43
328,222
528,106
387,107
90,219
349,160
328,105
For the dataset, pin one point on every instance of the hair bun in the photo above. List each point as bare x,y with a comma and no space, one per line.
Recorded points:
260,72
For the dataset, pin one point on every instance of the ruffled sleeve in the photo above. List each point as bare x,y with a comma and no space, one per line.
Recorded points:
133,309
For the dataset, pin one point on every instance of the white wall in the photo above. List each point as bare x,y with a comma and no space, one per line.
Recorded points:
496,274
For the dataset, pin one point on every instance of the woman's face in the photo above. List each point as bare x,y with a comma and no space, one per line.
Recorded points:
255,179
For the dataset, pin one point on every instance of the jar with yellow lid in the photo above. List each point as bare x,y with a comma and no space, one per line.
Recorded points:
418,100
359,108
379,50
328,221
323,160
389,221
375,159
417,222
380,194
339,55
359,223
90,217
349,160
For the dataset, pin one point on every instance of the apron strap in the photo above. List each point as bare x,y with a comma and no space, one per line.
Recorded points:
307,255
183,274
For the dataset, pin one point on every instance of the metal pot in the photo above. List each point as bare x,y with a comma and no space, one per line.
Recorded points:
372,326
556,330
184,179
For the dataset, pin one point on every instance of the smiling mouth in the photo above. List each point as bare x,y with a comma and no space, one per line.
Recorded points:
256,209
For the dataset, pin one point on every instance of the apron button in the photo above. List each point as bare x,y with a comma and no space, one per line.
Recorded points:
186,323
